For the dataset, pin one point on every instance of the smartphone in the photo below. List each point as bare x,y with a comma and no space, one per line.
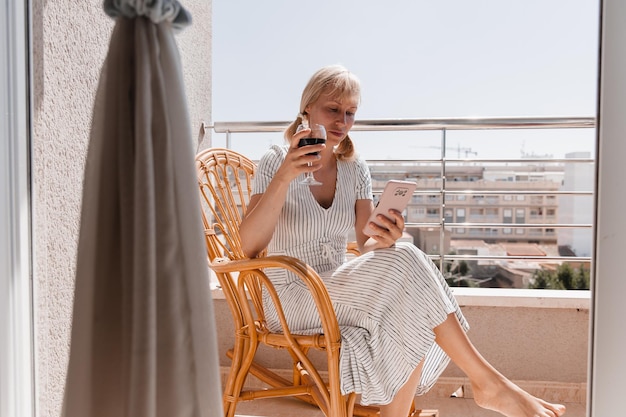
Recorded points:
396,195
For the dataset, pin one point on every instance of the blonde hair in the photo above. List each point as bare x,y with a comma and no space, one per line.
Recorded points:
336,81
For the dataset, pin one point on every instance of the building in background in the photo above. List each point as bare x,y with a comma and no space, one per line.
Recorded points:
498,209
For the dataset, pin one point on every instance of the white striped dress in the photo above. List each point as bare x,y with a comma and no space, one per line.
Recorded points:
387,301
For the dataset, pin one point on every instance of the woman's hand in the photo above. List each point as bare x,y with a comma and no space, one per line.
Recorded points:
298,161
391,229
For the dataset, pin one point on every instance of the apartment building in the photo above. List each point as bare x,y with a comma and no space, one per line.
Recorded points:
496,202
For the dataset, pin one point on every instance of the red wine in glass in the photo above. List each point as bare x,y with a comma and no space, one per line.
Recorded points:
311,141
316,136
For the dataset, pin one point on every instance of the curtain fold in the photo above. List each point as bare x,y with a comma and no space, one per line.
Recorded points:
143,332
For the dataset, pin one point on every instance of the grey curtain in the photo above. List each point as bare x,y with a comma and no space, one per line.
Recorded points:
143,338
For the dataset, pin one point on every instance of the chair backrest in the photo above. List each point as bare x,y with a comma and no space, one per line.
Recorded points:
225,185
225,181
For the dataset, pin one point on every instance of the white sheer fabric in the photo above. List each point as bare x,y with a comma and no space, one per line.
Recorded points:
143,337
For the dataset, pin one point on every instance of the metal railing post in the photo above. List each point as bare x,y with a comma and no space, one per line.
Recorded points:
442,225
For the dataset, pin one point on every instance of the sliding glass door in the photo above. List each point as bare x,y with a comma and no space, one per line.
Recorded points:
16,314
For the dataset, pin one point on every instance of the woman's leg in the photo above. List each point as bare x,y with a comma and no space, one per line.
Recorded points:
401,403
491,389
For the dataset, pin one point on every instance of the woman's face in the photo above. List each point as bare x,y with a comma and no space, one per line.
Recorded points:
336,113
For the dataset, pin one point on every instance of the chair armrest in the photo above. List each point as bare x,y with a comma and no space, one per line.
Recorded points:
300,269
353,248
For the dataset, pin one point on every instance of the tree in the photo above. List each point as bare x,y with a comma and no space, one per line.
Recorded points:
565,275
564,278
542,279
457,275
463,268
582,279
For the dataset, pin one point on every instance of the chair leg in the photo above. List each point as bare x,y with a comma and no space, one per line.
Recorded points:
415,412
317,396
241,356
229,395
276,381
424,413
237,378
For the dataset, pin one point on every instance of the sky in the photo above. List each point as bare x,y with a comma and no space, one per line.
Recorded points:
415,59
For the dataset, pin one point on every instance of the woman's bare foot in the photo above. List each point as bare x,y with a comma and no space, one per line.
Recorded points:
491,389
510,400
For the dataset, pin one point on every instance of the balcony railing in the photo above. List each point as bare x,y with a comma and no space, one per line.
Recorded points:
444,194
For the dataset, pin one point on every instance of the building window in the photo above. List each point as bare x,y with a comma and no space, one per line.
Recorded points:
432,212
460,215
507,215
520,216
433,199
536,213
417,212
478,199
492,213
476,213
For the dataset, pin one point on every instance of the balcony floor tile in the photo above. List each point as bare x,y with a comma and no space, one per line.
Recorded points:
448,407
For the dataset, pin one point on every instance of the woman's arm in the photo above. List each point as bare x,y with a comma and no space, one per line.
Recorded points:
385,236
258,225
257,228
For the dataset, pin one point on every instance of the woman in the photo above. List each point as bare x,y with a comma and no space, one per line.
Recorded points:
400,322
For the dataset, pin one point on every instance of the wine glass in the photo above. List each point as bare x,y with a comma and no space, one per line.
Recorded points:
316,135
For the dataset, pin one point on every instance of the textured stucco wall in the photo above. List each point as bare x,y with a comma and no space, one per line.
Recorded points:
530,344
70,42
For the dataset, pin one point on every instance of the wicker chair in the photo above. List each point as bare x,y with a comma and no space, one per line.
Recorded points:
225,181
